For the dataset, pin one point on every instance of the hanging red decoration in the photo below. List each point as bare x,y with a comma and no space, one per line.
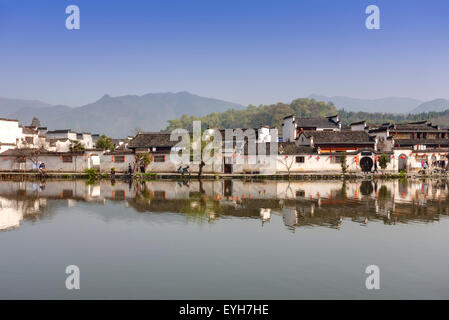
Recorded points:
318,157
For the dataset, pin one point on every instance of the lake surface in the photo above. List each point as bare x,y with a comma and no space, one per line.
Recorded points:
224,239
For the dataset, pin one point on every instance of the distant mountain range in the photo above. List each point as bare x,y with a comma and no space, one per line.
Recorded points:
115,116
9,106
434,105
389,105
385,105
120,116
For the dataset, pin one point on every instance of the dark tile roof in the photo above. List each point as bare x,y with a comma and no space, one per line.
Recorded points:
316,123
416,126
30,152
338,136
412,142
358,122
27,130
152,140
293,148
5,119
119,152
61,131
288,148
379,129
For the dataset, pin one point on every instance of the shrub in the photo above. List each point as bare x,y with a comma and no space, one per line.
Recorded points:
91,173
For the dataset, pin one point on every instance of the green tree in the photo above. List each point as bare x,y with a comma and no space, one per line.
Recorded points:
105,143
76,146
344,165
144,158
383,161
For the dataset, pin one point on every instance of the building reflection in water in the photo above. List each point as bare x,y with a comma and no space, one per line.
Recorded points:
297,203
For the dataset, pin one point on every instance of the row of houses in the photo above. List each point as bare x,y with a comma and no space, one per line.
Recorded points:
15,136
302,145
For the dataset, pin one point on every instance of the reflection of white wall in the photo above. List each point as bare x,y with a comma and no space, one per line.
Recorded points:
289,215
12,212
265,214
10,218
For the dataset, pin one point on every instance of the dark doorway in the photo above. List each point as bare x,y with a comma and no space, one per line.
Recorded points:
228,168
366,163
402,163
227,188
227,165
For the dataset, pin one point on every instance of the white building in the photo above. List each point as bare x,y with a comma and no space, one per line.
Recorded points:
10,134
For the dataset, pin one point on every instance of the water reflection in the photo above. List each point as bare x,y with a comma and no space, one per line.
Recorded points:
300,204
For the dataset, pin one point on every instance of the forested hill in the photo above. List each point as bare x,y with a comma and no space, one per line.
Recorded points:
253,117
272,115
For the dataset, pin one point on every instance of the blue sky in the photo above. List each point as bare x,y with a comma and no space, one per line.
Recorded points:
244,51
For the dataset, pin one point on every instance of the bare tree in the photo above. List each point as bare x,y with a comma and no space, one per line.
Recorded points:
287,162
34,153
137,130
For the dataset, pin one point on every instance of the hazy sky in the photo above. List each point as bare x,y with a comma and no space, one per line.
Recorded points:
245,51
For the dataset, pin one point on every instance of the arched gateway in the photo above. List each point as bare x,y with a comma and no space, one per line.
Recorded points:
366,163
402,162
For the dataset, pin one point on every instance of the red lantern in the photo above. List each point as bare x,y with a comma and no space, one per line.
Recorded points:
318,158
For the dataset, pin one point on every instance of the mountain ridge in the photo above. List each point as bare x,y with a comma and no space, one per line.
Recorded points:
436,105
118,116
387,104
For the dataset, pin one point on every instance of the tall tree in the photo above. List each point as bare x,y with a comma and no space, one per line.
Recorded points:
105,143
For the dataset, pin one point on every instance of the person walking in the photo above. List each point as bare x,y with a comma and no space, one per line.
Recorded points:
130,169
425,166
375,166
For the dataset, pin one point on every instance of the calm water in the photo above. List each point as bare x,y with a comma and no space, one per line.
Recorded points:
224,239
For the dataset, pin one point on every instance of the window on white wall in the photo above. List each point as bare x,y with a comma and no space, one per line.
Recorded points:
67,159
119,159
